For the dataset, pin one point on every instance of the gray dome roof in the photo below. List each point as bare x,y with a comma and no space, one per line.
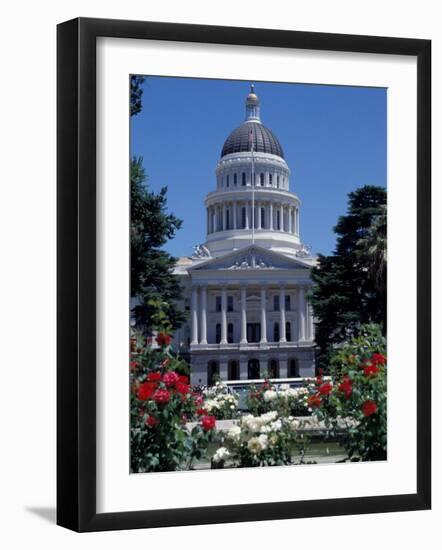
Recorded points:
264,141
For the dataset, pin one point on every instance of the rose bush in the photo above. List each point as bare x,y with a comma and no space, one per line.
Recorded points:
162,402
264,440
285,400
353,405
221,403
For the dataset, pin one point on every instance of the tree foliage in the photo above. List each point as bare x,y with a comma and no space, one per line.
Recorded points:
350,284
136,94
152,278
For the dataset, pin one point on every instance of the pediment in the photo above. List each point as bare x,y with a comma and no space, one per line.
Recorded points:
251,258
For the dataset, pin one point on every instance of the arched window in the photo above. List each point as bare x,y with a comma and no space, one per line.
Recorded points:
276,332
218,333
212,373
293,368
273,368
243,176
253,369
261,178
270,179
288,332
233,371
230,333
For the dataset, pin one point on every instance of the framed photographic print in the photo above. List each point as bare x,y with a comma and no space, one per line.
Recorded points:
233,343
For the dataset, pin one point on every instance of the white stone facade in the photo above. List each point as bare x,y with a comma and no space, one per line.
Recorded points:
245,287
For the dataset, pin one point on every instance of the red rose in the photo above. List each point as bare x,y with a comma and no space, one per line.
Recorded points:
183,389
369,408
208,423
201,412
146,390
319,380
170,378
152,421
161,396
371,370
314,400
163,339
183,379
154,376
325,389
346,387
378,359
199,400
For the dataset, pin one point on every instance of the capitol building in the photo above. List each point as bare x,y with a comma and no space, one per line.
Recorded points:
245,287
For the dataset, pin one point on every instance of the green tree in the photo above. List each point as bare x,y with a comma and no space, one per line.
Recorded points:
136,94
152,278
348,291
151,226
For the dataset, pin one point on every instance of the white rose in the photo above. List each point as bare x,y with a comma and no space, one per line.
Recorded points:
221,454
273,439
268,417
264,441
254,445
270,395
234,433
276,426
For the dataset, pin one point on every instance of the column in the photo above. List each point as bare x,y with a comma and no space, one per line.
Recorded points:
215,220
203,315
259,215
281,217
246,206
224,227
310,328
223,315
289,213
301,314
282,337
271,216
194,307
243,315
235,208
297,221
263,315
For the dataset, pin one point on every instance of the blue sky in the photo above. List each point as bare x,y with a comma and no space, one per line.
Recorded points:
334,140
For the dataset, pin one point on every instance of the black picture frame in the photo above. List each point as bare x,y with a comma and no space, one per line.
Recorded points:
76,274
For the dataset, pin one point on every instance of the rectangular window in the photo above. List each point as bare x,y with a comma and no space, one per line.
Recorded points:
227,181
235,179
243,217
270,179
229,303
287,302
276,303
243,178
218,303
